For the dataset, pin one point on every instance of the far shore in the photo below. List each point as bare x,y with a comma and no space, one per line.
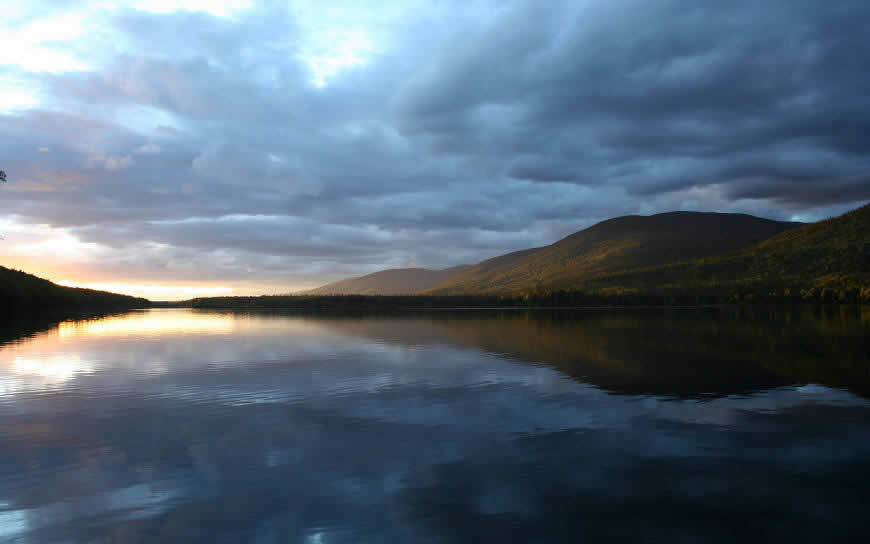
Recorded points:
563,300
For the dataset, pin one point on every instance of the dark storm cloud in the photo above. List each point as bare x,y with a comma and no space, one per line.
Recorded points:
652,83
483,129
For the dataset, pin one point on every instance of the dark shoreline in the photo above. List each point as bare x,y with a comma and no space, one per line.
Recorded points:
548,301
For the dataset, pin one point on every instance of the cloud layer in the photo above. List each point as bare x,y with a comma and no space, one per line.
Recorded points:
280,144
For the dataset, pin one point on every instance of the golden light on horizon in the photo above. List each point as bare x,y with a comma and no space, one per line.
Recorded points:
153,291
59,256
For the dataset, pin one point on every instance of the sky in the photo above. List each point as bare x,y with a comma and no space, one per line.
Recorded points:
211,147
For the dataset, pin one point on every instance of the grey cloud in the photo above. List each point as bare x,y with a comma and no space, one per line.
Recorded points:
659,80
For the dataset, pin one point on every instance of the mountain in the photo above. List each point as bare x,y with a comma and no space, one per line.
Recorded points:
397,281
617,244
832,254
23,291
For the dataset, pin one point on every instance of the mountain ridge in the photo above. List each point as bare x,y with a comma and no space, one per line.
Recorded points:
830,254
620,243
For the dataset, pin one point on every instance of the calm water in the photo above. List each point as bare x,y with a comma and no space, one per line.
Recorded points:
677,426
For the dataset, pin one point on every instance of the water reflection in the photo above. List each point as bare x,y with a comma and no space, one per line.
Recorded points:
153,322
492,426
55,368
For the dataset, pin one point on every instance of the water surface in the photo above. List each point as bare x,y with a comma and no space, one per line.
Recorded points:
477,426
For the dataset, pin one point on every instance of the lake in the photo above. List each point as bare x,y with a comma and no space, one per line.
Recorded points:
677,425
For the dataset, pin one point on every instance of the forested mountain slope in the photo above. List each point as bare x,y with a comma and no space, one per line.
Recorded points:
831,254
622,243
397,281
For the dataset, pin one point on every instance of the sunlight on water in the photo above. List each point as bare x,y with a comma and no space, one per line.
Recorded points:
154,322
55,368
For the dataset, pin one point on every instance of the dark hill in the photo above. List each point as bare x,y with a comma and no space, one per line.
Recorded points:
833,254
398,281
20,291
622,243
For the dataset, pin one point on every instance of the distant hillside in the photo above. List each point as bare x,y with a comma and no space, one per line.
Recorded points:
23,291
832,254
475,279
622,243
398,281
